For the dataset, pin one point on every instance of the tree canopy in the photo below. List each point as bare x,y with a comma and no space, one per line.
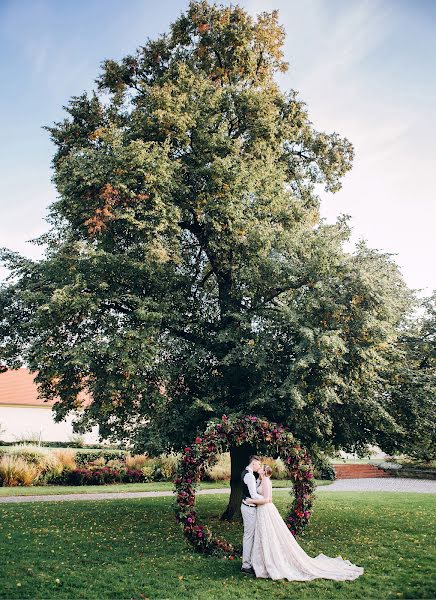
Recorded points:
187,272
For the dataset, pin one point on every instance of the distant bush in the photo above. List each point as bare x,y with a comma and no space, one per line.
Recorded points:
166,466
100,466
279,470
67,458
138,461
76,440
14,470
102,476
95,476
132,476
116,463
31,453
323,468
47,463
46,444
148,472
84,457
220,471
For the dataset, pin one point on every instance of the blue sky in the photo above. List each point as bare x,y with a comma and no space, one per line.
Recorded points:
365,69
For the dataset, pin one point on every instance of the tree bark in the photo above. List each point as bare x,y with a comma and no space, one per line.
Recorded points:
238,460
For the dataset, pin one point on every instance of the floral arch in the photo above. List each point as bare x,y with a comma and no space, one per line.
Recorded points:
219,435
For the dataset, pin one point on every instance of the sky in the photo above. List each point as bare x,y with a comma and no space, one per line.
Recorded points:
365,69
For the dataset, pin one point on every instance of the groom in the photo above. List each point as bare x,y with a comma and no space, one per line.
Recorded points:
250,499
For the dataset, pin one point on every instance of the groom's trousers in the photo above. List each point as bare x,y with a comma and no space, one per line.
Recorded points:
249,518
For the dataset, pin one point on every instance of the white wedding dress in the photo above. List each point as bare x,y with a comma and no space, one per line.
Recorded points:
277,555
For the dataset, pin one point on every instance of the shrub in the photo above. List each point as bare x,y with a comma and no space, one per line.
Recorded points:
138,461
43,458
67,458
102,476
221,470
166,466
322,467
148,472
87,456
116,464
94,476
132,476
76,440
31,437
98,462
32,454
279,470
14,470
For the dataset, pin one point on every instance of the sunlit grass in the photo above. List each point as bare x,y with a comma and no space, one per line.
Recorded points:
134,549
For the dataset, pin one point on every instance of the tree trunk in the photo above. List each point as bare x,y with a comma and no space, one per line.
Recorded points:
239,460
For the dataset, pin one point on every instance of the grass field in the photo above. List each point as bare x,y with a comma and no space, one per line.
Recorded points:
133,549
159,486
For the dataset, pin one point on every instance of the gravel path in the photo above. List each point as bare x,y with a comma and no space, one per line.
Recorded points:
379,484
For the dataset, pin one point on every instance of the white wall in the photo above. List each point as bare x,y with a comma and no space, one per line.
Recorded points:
25,422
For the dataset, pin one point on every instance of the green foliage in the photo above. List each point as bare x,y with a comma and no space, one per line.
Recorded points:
76,441
188,273
323,468
166,466
85,457
412,393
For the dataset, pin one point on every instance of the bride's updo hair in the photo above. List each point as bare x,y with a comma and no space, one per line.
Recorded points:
267,470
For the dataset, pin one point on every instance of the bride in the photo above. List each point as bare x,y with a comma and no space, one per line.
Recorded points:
277,555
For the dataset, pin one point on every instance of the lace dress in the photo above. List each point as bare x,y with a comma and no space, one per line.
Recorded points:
277,555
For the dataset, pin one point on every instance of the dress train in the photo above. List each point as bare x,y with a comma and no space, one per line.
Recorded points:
276,553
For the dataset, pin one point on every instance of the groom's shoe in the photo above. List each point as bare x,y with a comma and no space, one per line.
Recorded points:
247,571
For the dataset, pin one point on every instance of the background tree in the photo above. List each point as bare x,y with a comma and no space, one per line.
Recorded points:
188,272
413,387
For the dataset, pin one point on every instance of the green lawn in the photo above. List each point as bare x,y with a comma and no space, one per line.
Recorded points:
133,549
160,486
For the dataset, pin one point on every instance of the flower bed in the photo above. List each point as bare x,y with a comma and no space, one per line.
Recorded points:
102,476
204,453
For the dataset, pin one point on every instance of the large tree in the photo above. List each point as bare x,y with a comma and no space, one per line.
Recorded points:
187,272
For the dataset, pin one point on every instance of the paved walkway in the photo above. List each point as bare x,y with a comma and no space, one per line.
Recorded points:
379,484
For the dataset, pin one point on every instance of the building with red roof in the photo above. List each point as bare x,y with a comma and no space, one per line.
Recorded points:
24,416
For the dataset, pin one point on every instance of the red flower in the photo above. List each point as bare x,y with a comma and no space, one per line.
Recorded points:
198,440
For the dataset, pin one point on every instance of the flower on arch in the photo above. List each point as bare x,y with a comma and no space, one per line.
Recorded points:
218,436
